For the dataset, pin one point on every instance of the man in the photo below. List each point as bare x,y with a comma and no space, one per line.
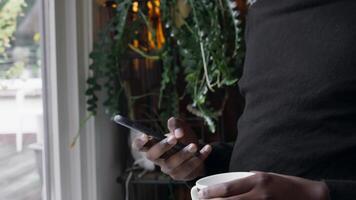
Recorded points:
298,127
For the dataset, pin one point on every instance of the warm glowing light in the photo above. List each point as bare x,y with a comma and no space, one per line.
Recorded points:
160,35
135,6
154,14
136,43
108,4
157,3
151,40
157,11
149,5
154,41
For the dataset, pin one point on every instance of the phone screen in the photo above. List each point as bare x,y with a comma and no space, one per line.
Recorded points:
137,127
154,136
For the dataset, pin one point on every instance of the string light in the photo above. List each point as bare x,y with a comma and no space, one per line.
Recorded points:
110,4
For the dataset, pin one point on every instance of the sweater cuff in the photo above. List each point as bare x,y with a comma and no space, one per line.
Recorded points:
341,190
191,184
217,162
219,159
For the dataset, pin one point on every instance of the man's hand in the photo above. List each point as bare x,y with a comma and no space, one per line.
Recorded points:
183,165
262,186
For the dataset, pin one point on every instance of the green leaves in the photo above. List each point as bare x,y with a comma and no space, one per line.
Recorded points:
236,21
206,46
92,100
108,50
208,56
10,10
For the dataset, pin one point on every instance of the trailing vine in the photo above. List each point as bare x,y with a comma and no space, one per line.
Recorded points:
106,67
203,41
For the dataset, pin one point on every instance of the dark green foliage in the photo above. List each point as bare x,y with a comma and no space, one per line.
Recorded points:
209,60
207,48
108,50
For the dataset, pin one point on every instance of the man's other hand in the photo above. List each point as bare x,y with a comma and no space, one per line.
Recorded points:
263,186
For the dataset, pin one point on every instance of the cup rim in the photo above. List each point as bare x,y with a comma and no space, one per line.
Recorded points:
242,174
194,193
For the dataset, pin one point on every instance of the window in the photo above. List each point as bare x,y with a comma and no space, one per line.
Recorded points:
21,108
44,48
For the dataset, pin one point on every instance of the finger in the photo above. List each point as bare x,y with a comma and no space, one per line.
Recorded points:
186,169
173,123
200,171
177,127
183,171
139,142
179,133
168,134
181,130
246,196
284,176
156,151
232,188
180,157
205,152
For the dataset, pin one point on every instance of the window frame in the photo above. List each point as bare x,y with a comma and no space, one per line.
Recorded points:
67,39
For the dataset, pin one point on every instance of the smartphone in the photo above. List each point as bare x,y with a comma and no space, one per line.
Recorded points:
153,136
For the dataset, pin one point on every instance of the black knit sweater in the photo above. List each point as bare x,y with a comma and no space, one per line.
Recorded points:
299,85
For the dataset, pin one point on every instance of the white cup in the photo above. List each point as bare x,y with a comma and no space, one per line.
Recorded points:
216,179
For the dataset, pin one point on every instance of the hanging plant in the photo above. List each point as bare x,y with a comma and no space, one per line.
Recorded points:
200,38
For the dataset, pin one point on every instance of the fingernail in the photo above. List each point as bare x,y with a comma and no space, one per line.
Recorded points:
179,133
171,140
200,194
207,148
192,148
141,141
143,137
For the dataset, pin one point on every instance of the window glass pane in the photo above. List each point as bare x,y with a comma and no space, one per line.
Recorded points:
21,121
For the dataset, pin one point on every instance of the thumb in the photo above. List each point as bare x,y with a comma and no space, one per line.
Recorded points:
175,127
179,133
172,124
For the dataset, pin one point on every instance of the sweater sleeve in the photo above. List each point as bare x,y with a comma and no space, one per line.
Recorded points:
219,159
341,190
217,162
